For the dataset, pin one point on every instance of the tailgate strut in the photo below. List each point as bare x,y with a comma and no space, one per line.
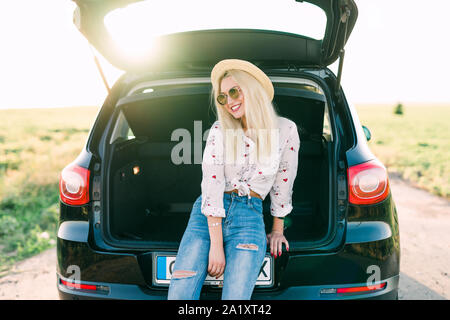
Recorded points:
344,19
97,63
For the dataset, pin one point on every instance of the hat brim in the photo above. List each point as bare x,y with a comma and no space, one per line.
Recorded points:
228,64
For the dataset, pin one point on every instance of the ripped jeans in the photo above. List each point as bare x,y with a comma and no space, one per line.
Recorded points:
245,245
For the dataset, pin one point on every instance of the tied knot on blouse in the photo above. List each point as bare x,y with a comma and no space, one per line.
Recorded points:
275,177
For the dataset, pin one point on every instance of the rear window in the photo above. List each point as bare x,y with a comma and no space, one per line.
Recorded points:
135,25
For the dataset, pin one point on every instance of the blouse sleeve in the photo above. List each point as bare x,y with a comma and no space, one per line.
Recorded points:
281,191
213,171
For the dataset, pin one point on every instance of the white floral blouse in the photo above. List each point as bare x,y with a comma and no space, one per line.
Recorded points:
276,176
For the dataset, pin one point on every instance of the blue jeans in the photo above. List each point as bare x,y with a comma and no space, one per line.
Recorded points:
245,245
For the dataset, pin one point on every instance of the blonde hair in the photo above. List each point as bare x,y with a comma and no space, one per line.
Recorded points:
261,118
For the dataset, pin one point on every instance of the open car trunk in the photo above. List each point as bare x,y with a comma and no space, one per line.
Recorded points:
150,195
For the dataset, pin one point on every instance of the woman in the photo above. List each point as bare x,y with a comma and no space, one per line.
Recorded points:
250,152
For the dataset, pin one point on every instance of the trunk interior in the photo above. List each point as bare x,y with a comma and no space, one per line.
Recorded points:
153,205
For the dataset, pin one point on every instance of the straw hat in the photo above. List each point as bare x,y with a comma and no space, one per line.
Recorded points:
228,64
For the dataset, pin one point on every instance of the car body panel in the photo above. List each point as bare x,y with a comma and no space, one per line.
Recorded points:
263,46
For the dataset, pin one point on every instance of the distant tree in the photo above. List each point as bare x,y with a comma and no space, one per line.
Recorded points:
398,109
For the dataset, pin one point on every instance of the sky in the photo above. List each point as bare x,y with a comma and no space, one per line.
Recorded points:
397,52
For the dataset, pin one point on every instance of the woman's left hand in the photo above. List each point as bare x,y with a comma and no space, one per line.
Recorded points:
276,240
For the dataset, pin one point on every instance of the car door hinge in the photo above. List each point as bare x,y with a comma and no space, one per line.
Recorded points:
345,12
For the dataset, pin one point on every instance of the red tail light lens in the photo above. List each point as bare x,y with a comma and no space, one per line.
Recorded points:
78,285
362,289
74,185
368,183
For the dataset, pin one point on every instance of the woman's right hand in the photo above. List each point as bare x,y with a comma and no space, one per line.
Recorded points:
216,262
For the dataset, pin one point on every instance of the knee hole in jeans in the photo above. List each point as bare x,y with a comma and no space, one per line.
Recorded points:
181,274
249,246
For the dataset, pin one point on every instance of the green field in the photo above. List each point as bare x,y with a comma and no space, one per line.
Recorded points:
415,144
36,144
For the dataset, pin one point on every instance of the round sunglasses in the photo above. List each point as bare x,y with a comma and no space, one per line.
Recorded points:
233,93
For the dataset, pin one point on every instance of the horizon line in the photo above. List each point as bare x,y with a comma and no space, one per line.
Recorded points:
415,103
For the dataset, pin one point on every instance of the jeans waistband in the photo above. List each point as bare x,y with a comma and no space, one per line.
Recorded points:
243,198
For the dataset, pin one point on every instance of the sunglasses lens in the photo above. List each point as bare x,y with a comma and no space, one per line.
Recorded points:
222,99
234,93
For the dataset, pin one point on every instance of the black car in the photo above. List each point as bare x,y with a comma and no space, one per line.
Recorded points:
124,202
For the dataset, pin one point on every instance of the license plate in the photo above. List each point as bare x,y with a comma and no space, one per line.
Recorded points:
162,273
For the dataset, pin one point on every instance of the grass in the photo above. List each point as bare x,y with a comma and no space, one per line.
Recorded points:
35,145
414,144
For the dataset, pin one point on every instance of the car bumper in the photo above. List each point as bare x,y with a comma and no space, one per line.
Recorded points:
135,292
303,276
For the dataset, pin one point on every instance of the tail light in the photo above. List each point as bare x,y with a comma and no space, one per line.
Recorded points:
74,185
368,183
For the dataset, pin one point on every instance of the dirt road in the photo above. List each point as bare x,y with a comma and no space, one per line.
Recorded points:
425,252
